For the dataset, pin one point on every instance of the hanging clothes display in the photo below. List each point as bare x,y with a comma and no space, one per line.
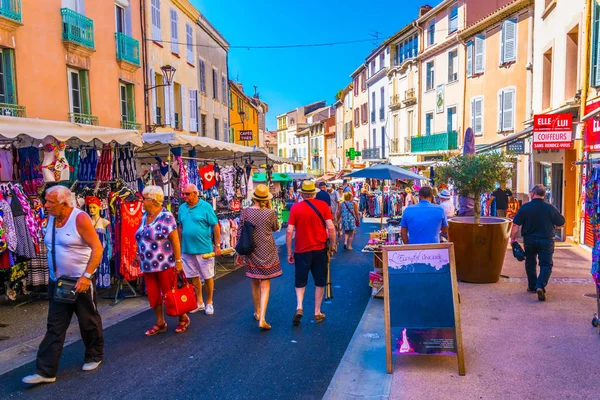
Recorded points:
6,165
192,169
592,208
25,243
131,218
207,174
104,170
88,166
55,166
72,156
30,172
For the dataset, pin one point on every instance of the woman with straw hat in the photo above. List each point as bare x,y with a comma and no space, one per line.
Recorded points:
263,264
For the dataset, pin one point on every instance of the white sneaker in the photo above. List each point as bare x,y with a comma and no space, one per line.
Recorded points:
199,308
90,366
35,379
210,310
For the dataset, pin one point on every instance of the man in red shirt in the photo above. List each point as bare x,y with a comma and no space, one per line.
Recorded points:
313,223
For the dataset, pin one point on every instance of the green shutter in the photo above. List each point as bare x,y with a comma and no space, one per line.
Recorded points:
8,56
131,103
84,84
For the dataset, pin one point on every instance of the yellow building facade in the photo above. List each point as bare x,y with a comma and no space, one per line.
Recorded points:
243,117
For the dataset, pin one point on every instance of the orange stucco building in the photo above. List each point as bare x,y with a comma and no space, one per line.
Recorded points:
73,60
243,116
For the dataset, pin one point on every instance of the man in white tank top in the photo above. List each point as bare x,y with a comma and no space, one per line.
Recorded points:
78,254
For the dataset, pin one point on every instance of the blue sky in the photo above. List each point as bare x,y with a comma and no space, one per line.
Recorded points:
289,78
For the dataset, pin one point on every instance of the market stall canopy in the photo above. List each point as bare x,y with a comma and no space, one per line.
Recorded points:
300,176
38,129
262,177
385,171
326,177
283,160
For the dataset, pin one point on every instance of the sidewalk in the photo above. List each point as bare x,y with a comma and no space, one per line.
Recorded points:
515,346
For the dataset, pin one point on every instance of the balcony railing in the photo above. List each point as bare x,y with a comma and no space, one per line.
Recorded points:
436,142
86,119
373,116
11,9
77,28
394,100
12,110
315,152
131,125
128,48
315,172
371,154
395,146
382,114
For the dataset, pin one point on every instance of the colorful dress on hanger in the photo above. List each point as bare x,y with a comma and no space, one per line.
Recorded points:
131,218
88,166
25,243
104,169
30,169
103,271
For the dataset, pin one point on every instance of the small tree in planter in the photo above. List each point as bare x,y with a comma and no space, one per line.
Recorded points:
475,174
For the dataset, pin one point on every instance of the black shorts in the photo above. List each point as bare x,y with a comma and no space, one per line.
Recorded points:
314,261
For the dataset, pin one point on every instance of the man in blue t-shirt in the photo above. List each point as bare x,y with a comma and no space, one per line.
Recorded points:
198,228
322,193
423,222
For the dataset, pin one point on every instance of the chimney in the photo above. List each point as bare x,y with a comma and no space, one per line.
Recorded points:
424,10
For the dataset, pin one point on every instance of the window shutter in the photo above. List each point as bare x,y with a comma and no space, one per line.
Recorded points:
472,113
500,111
84,84
469,59
189,43
202,76
479,54
508,105
172,104
156,32
193,111
167,106
153,108
131,103
509,42
184,124
174,35
8,56
478,116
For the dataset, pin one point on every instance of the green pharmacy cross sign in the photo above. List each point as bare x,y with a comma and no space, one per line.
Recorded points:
352,154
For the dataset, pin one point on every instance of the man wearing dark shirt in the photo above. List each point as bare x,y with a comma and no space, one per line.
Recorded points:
502,197
538,221
323,195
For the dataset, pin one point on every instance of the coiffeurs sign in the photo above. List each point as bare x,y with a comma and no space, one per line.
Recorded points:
553,131
592,130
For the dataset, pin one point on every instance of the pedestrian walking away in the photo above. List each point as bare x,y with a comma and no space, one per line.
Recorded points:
446,204
160,256
502,196
348,214
334,198
313,224
263,264
322,193
200,234
538,221
74,251
423,222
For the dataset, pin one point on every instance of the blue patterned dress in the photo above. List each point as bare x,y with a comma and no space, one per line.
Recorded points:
348,221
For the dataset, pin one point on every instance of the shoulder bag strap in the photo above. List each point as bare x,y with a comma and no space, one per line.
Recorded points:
54,247
318,213
351,211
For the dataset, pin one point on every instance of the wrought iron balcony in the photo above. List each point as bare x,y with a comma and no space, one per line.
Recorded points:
77,28
131,125
395,101
11,9
436,142
12,110
371,154
86,119
409,96
315,152
395,146
315,172
128,49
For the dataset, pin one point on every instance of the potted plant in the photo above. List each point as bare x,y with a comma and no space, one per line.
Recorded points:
480,242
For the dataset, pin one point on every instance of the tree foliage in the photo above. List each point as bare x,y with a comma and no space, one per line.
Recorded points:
475,174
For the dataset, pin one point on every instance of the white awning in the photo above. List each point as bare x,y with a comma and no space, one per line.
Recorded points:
283,160
590,114
506,140
38,129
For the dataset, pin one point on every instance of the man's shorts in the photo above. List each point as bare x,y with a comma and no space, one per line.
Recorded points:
195,266
314,261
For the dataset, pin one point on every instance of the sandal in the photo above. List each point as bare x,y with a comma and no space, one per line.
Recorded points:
182,327
297,317
319,317
156,329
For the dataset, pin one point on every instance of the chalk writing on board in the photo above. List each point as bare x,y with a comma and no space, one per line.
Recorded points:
424,341
435,258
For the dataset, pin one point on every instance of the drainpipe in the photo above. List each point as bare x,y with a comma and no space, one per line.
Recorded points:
145,65
419,79
464,102
579,136
530,57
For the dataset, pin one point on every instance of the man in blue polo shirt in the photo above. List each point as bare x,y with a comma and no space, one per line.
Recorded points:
423,222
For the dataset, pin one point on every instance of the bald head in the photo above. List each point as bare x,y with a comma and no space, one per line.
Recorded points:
190,194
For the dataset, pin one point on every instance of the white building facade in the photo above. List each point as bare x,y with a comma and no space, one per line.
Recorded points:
377,65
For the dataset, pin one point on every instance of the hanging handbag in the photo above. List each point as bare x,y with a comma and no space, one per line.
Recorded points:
356,220
64,289
180,300
245,245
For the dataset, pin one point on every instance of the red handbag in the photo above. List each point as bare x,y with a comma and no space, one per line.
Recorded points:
182,300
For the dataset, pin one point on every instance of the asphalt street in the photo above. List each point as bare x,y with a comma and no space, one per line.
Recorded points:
225,355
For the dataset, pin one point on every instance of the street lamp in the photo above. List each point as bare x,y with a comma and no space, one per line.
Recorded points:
242,114
168,72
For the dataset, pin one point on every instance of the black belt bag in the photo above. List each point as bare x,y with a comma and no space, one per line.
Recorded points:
64,289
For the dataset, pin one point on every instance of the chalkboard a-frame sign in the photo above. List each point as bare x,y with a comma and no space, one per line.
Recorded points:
421,309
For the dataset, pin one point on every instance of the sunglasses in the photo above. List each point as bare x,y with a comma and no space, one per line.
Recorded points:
187,193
